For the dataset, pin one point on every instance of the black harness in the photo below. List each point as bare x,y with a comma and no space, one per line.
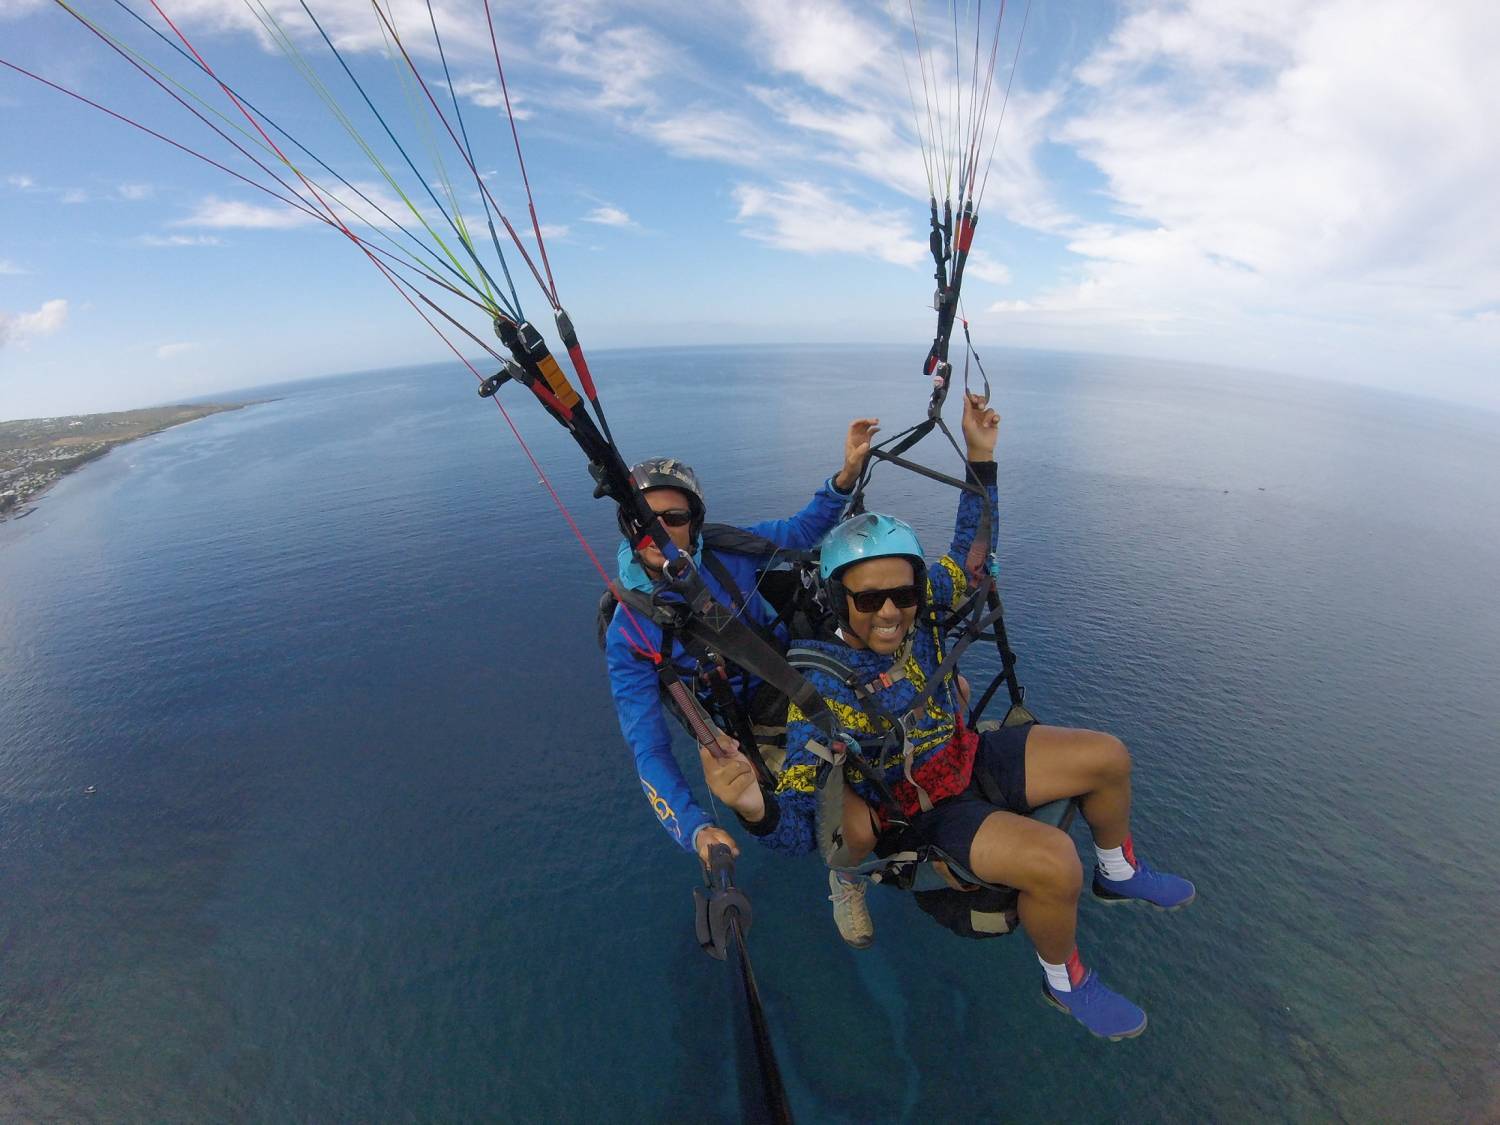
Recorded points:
728,636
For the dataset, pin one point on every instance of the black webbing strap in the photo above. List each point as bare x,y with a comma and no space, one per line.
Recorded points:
949,662
800,657
733,711
811,658
899,443
716,626
712,625
681,695
906,441
715,566
1007,674
986,520
995,614
739,644
713,674
807,658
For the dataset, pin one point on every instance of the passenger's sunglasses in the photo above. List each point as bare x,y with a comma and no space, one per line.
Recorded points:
869,601
675,517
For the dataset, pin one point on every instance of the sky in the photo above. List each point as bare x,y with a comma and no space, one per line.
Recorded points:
1291,186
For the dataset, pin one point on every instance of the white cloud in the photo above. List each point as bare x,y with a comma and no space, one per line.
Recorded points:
822,42
621,64
74,196
169,240
483,92
1223,174
170,351
1010,182
607,216
229,214
859,114
487,94
714,134
15,9
864,137
136,192
806,218
980,265
17,328
351,24
9,268
1290,171
378,202
551,232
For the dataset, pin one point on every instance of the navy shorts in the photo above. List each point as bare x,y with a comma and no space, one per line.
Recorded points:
998,782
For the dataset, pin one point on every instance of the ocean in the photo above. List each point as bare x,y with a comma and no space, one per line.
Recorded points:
313,806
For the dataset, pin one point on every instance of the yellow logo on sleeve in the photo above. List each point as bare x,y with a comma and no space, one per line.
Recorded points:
663,810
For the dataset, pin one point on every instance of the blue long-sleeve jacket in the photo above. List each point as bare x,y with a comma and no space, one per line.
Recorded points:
944,750
633,680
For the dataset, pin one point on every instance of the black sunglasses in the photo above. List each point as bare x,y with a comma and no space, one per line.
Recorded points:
675,517
869,601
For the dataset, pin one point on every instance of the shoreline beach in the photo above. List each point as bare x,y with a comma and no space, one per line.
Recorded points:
36,453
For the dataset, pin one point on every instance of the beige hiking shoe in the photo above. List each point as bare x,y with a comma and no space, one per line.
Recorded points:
850,913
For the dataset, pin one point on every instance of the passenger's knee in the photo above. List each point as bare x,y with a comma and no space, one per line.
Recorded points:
1114,759
859,825
1058,872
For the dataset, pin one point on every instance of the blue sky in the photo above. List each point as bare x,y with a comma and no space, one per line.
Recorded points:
1292,186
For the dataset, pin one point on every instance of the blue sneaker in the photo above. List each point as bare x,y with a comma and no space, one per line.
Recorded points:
1163,891
1099,1008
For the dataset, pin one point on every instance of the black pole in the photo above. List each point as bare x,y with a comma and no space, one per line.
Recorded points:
723,917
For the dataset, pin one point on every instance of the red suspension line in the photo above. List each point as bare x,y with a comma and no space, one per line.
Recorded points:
396,282
521,160
550,293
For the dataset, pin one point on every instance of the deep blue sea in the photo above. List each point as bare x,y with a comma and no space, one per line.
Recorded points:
364,843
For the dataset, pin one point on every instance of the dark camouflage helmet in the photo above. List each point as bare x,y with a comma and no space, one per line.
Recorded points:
667,472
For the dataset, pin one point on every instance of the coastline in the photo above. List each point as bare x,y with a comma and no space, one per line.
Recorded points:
36,453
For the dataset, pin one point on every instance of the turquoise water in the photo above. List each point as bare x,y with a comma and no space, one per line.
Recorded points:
365,843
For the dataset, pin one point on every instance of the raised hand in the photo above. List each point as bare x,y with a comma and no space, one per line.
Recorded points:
856,451
981,428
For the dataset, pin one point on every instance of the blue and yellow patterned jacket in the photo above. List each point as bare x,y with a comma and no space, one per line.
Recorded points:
944,749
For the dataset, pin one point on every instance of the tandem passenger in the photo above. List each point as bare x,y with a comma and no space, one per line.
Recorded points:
884,593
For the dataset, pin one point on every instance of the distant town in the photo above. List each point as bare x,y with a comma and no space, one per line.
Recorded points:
37,452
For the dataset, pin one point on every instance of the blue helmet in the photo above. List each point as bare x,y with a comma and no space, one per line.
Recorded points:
868,535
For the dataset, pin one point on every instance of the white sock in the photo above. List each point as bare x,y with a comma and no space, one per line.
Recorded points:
1062,978
1113,862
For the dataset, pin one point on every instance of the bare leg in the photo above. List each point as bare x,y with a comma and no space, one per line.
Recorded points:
1041,863
859,826
1093,766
